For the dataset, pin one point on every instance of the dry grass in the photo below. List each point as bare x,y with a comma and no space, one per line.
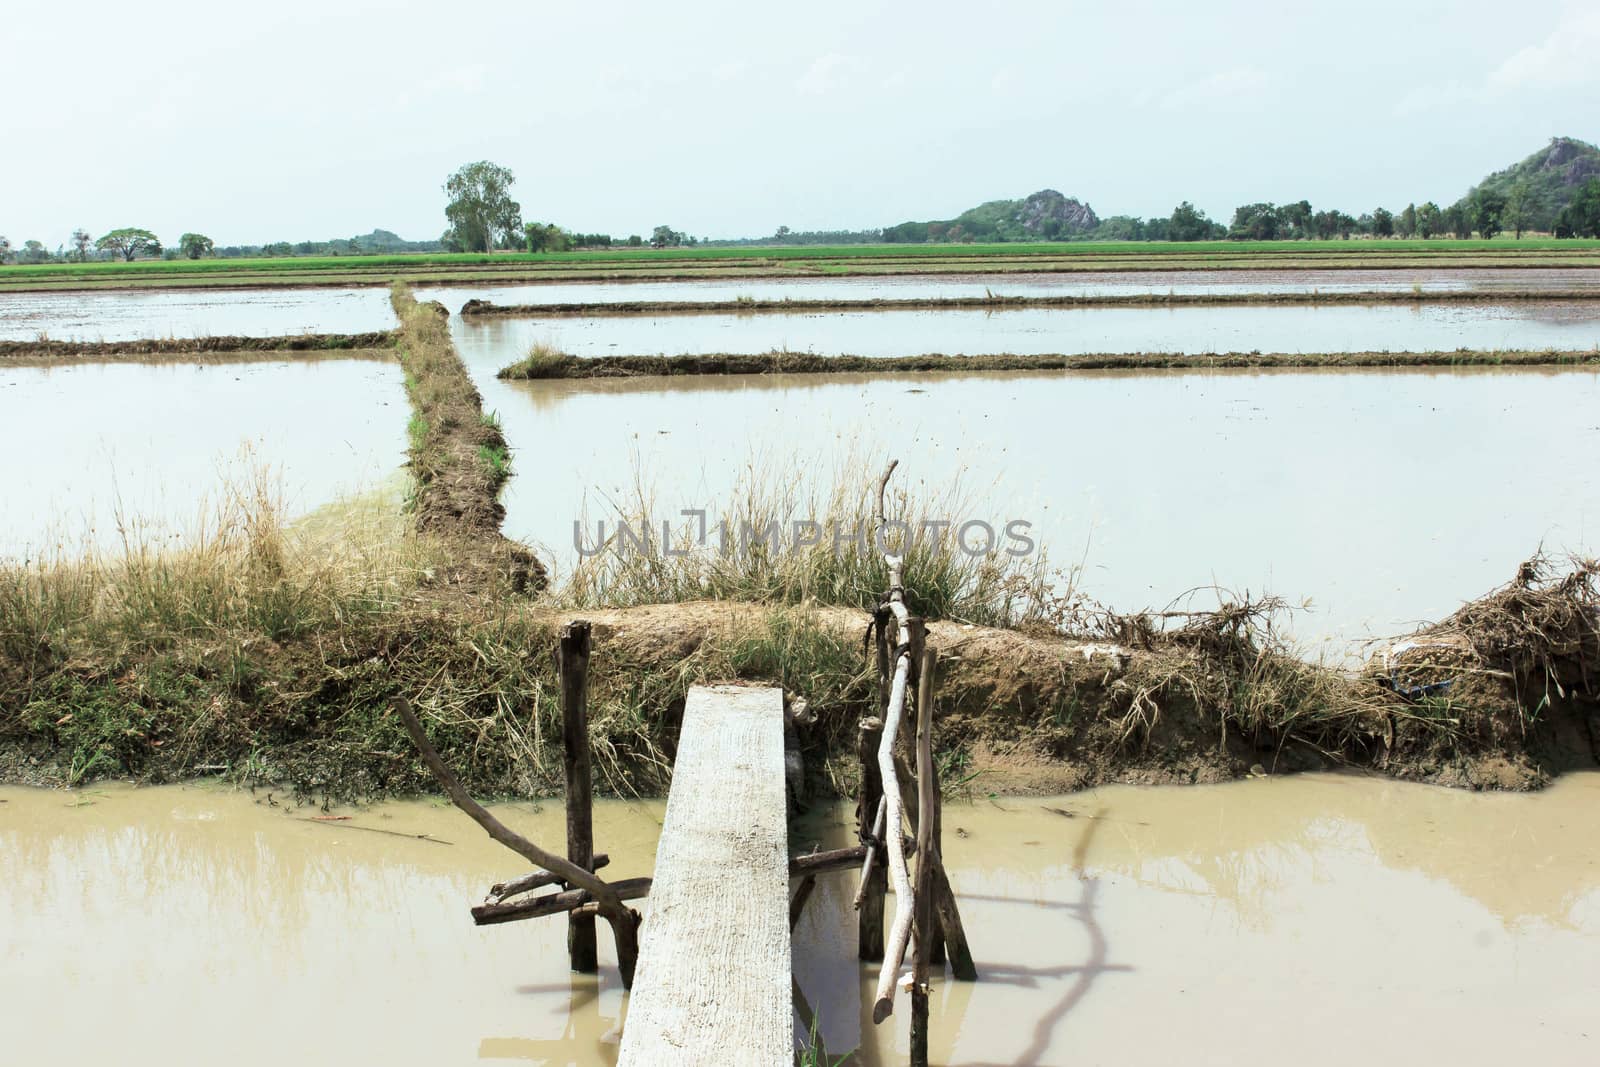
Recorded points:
753,551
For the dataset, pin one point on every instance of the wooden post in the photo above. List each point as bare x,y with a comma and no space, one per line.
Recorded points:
923,921
869,918
625,930
572,661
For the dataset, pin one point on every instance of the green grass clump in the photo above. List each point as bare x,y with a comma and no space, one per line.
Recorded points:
496,460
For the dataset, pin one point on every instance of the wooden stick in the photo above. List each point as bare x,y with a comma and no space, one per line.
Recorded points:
572,665
837,859
900,931
869,917
567,871
869,860
625,932
501,892
568,901
927,862
955,935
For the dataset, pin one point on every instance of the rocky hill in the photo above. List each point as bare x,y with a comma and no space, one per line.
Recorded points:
1045,216
1549,178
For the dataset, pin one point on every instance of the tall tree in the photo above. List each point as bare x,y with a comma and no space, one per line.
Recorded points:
1255,222
1189,223
1581,216
1487,210
129,242
80,244
5,248
1382,222
195,245
1405,223
542,237
1517,208
481,212
1430,220
665,236
1296,219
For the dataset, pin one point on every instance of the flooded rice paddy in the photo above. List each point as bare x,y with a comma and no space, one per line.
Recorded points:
1340,328
139,314
1352,920
99,451
145,314
1386,497
1096,283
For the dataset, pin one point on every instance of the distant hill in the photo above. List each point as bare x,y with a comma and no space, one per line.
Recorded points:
1551,177
1044,216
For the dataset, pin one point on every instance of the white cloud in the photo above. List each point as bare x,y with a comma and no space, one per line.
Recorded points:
1236,84
1431,98
829,74
1566,58
468,79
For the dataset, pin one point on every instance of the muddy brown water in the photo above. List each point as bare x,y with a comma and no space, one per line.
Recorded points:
159,445
1385,497
1333,919
1028,331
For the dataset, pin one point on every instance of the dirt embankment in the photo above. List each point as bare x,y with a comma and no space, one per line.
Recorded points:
217,349
730,363
459,456
1502,695
995,302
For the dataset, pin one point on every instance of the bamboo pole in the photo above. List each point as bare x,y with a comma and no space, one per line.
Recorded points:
927,863
572,665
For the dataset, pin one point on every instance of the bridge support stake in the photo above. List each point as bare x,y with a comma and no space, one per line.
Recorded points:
869,915
923,919
572,667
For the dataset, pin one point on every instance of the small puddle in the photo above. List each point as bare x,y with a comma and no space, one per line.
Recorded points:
1352,919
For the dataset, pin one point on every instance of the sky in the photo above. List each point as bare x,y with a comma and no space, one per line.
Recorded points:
301,120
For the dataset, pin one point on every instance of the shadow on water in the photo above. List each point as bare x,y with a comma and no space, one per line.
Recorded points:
1084,975
587,1033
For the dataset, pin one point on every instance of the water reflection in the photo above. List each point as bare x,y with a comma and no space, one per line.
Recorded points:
185,920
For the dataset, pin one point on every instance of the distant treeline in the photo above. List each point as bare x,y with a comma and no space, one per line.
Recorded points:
131,243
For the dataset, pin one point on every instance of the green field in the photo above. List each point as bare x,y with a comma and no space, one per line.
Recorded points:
757,261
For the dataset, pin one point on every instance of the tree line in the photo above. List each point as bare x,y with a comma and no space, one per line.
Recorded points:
130,243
